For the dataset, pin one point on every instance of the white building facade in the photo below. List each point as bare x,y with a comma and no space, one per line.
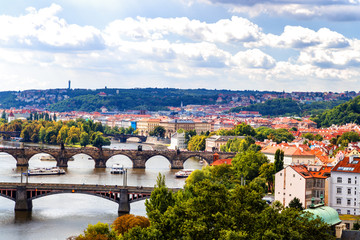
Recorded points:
344,186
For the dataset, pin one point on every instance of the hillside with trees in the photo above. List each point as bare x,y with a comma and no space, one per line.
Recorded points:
348,112
289,107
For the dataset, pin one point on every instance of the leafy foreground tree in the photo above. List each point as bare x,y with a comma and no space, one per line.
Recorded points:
208,209
295,203
99,231
123,223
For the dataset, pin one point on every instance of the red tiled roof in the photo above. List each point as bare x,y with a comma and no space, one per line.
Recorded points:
345,166
221,161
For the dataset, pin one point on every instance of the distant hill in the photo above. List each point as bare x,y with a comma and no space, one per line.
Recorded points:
122,99
289,107
348,112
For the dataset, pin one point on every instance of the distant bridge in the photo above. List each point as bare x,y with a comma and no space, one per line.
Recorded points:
11,134
24,193
123,137
138,158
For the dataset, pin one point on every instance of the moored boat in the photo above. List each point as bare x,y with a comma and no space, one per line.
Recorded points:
45,171
184,173
117,169
47,158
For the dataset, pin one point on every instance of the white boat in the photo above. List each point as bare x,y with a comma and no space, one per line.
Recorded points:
184,173
45,171
117,169
47,158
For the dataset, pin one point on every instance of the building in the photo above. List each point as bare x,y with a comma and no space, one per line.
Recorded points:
292,155
215,142
178,141
301,181
145,126
344,186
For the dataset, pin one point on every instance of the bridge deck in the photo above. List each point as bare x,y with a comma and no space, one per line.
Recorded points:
83,187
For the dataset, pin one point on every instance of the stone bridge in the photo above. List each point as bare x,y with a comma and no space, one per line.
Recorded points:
23,193
123,137
100,157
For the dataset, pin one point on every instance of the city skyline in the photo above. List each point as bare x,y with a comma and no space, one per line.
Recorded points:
270,45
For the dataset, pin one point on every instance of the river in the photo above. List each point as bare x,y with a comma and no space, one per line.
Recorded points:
62,215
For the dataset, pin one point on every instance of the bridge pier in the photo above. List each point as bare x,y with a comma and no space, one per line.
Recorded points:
139,163
124,204
22,162
122,139
177,164
22,203
100,163
62,162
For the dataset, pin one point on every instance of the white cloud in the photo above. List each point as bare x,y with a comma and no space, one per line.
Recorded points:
343,10
232,30
299,37
254,58
43,29
172,52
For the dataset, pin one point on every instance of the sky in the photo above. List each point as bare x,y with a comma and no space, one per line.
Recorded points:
290,45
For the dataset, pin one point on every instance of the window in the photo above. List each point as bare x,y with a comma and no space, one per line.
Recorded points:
349,191
339,180
349,180
339,211
338,201
280,174
349,202
347,225
338,190
293,175
348,211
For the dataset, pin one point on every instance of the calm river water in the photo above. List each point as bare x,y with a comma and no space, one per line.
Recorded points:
63,215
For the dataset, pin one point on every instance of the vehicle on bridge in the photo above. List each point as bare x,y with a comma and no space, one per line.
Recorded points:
117,169
45,171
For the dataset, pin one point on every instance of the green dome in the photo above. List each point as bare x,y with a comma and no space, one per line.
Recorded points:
327,214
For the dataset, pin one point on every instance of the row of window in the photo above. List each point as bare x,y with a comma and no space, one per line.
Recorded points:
348,201
339,190
339,180
347,211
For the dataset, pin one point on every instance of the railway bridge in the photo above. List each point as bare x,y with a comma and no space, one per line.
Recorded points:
101,156
23,193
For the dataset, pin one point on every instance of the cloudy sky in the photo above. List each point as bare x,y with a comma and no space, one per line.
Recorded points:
291,45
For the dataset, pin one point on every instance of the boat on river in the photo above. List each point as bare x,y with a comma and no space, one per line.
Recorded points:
45,171
184,173
117,169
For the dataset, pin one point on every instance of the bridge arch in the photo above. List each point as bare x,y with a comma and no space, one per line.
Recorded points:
81,157
122,159
164,160
9,157
42,160
198,156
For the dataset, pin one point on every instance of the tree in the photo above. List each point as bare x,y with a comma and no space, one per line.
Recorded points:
124,223
3,115
295,203
267,171
161,198
318,137
99,231
279,160
197,143
159,131
98,140
248,164
309,136
84,139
